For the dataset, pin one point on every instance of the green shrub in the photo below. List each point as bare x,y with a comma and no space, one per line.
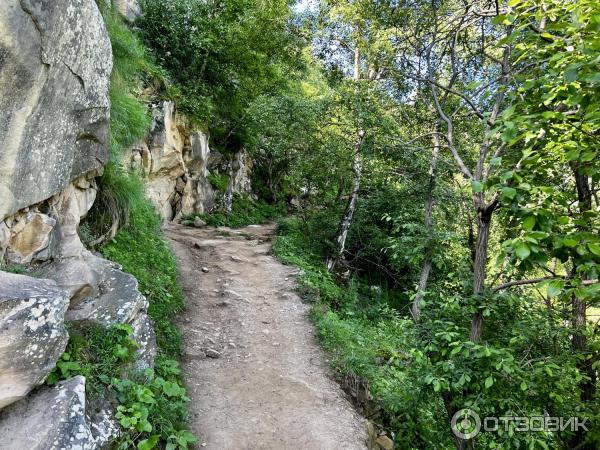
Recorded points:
219,181
244,212
151,405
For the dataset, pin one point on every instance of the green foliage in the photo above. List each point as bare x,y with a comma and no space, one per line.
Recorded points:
96,353
120,192
142,251
152,408
13,268
151,405
244,211
219,181
221,56
132,67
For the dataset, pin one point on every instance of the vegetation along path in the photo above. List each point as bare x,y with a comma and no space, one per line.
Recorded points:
255,374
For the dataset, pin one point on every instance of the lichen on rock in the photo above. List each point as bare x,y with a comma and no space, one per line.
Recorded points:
32,333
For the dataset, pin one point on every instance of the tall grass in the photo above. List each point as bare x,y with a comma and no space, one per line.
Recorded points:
120,191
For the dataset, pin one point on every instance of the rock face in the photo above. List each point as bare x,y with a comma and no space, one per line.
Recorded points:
129,8
55,63
51,419
176,161
32,333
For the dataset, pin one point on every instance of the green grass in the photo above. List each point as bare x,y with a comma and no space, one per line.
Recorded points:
132,69
13,268
244,212
142,251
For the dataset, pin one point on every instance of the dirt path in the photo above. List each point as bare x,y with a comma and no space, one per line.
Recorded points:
268,387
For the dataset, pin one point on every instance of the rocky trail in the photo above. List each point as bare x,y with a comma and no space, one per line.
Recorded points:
256,377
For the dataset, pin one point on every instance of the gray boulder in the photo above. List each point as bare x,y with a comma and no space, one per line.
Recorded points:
100,292
53,418
32,333
129,8
143,334
55,64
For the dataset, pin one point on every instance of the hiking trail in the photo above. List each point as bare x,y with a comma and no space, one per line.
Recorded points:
256,376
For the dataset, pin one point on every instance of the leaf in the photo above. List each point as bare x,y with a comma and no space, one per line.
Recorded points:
149,443
555,287
509,192
571,73
172,389
489,381
523,386
522,251
477,186
529,223
594,248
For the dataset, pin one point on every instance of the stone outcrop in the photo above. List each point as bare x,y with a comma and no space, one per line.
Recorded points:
55,64
176,160
129,8
32,333
53,418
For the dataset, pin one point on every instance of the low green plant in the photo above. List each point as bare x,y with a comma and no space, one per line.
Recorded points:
142,251
13,268
152,408
219,181
244,211
95,352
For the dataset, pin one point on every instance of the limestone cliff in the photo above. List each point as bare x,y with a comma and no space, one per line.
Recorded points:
176,161
55,63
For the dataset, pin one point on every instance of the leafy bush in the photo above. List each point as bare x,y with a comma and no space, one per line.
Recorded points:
219,181
221,56
151,404
244,212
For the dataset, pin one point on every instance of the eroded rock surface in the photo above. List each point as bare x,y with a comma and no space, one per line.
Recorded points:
129,8
53,418
55,64
176,160
32,333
